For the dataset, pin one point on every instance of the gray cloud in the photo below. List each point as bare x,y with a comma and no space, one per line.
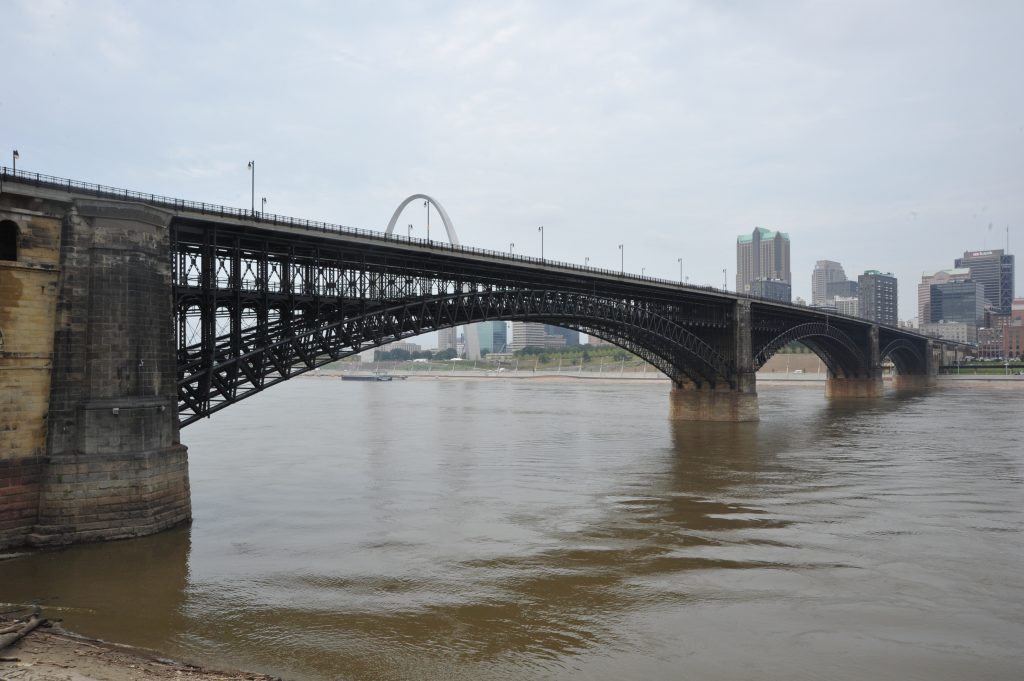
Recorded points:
881,135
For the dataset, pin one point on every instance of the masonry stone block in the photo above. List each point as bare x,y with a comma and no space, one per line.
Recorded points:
88,404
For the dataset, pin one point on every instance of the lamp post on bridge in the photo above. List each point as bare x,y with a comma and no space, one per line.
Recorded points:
426,204
725,280
541,230
408,233
622,260
263,206
14,161
680,271
511,248
252,173
586,261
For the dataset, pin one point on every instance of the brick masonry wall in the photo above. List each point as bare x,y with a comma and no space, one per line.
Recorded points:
19,492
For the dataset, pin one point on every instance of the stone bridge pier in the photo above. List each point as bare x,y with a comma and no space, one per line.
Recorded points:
87,374
732,399
867,381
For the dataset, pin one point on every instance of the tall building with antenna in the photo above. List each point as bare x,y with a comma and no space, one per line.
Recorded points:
994,270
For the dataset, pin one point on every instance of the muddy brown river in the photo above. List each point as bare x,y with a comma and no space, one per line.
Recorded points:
519,529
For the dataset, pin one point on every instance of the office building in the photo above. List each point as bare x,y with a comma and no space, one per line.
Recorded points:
957,301
533,335
448,339
994,271
847,289
878,297
961,332
924,290
773,289
763,254
572,338
825,272
848,305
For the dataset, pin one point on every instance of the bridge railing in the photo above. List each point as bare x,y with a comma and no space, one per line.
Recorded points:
212,209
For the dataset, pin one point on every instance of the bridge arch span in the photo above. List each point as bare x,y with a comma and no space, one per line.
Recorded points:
448,226
906,357
252,360
840,353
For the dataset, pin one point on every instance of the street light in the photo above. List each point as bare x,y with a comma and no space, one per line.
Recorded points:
622,260
408,233
426,204
252,172
643,271
541,230
680,271
725,280
14,161
586,261
263,206
511,247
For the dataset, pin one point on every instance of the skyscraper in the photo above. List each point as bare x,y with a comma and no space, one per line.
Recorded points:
924,290
994,271
762,255
878,297
958,301
825,272
448,339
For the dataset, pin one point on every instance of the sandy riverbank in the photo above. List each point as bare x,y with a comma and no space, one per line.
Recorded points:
51,654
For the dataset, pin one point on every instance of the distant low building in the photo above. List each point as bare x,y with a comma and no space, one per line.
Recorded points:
773,289
848,288
403,345
1013,333
533,335
960,332
990,342
848,305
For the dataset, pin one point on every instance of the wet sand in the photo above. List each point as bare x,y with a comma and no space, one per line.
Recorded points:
49,653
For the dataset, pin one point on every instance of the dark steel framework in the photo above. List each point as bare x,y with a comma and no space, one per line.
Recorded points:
256,305
259,298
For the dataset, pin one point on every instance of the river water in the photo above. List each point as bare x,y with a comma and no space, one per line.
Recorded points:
521,529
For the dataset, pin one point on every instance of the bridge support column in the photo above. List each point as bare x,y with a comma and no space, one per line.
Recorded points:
735,401
869,384
688,402
929,379
114,467
913,381
842,387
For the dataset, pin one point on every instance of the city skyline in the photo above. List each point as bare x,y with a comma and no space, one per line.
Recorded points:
607,127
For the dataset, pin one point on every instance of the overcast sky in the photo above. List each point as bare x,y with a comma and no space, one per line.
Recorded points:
883,135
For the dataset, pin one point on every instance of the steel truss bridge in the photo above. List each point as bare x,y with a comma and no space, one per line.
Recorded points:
258,299
256,304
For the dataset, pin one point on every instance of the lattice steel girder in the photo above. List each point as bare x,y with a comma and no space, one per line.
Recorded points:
840,352
293,348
